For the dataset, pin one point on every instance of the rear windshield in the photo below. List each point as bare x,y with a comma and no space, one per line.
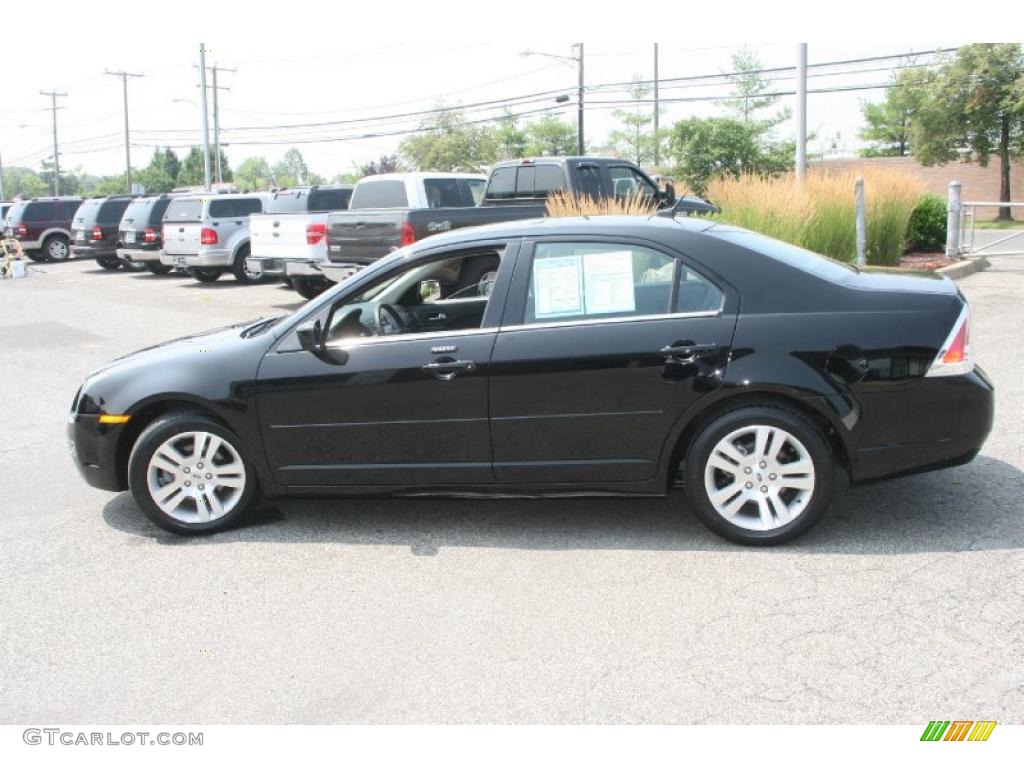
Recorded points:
802,259
184,210
386,193
525,181
329,200
240,207
111,211
88,212
145,211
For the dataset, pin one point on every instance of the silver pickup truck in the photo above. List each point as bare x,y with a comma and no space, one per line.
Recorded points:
293,245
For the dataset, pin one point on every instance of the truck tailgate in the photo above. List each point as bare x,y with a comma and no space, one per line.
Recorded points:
363,236
283,236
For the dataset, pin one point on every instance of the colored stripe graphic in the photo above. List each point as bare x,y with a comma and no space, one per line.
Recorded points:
982,730
934,730
958,730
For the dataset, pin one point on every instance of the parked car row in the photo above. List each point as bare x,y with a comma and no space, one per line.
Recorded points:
311,236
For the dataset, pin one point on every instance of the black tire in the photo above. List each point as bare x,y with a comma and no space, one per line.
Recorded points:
109,263
699,452
238,268
163,429
205,274
56,248
159,269
132,266
310,287
36,255
288,281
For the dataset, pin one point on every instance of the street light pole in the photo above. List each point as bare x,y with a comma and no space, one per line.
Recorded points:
56,153
206,121
801,112
657,136
579,113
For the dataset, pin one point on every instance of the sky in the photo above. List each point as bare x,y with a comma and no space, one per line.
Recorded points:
309,67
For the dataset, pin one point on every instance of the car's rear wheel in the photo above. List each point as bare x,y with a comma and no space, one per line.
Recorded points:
241,272
310,287
109,262
205,274
189,474
759,475
56,248
159,269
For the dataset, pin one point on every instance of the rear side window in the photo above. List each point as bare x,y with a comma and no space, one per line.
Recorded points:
40,212
476,189
502,185
184,210
111,211
241,207
581,281
386,193
329,200
590,180
627,182
447,193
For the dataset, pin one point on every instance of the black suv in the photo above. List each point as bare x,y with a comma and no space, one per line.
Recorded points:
95,229
140,235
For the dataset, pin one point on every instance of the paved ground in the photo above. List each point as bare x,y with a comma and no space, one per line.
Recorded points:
903,606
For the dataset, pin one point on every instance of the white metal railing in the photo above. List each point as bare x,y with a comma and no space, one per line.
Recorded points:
968,211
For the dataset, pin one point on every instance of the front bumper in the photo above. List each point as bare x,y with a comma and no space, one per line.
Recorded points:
207,258
94,451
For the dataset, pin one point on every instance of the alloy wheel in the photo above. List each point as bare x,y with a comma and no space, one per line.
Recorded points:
759,477
57,250
196,477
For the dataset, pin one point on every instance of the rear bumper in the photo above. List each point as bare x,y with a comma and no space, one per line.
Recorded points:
138,256
87,249
941,422
207,258
93,449
265,265
338,272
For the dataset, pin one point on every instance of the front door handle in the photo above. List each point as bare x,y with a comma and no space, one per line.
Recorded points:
447,369
686,352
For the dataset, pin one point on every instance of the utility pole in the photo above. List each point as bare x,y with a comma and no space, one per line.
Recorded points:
127,143
2,195
657,137
801,112
56,154
216,116
206,120
579,116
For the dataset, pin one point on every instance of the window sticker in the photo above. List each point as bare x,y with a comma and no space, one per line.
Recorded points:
608,284
557,284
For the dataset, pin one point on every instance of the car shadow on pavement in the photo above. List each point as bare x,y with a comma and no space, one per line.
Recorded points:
967,508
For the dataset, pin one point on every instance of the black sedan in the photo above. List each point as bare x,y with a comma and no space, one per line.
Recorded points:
556,357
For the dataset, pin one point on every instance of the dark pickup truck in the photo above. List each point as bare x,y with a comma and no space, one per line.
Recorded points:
516,189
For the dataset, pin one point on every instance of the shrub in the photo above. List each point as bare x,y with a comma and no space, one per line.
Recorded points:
819,214
562,203
926,230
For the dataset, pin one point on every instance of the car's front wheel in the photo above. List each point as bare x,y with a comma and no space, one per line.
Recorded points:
56,248
241,271
190,475
759,475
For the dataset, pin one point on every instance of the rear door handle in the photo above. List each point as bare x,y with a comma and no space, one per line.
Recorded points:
686,352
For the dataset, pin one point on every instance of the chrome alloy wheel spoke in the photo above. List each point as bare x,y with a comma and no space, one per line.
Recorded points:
196,477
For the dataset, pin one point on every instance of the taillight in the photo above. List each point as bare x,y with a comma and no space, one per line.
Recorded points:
315,233
22,230
954,358
149,235
208,236
408,233
97,233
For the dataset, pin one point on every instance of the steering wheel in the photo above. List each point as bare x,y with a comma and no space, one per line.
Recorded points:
391,321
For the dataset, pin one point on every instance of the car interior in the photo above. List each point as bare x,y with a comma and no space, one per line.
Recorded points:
445,295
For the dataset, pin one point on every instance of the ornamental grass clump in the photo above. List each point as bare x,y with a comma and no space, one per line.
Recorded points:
563,203
819,214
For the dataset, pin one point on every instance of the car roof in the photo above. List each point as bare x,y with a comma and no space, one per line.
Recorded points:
423,175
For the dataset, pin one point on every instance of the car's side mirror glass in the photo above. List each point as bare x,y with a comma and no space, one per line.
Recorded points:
311,336
430,290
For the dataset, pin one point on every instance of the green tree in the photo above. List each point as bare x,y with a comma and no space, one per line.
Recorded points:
445,141
706,147
383,164
751,92
110,185
550,136
635,138
192,173
24,183
511,140
253,174
70,181
971,109
887,123
291,170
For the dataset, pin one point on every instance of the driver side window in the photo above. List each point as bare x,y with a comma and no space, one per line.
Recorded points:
450,293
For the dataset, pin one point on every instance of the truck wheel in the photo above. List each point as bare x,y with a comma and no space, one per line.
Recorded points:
241,272
309,287
108,262
159,269
56,248
205,274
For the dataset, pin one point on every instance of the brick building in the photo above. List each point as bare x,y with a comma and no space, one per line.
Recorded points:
978,183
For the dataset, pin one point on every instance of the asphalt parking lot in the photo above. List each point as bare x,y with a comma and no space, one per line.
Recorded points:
903,606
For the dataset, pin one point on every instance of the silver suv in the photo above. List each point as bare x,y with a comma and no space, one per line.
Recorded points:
209,233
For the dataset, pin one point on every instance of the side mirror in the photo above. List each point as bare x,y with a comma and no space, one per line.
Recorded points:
311,336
